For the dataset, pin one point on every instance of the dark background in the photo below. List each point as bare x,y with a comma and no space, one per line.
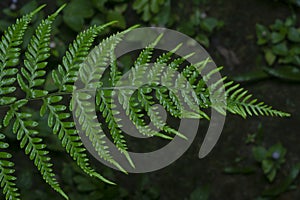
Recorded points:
234,46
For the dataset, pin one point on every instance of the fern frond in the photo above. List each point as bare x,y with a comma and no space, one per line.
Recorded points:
136,78
166,98
67,73
114,73
238,101
90,73
37,52
146,99
241,103
106,104
67,133
84,111
179,90
9,56
133,111
169,101
191,73
146,54
7,179
23,127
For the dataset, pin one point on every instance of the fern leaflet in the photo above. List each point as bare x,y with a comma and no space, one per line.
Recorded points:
7,179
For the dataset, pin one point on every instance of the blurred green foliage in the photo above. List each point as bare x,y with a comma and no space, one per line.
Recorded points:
271,163
280,43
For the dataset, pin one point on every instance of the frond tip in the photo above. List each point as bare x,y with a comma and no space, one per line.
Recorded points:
240,102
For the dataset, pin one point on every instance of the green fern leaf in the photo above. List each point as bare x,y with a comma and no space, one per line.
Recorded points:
9,56
105,103
7,179
76,54
135,78
23,127
90,73
146,99
37,52
241,103
181,90
67,133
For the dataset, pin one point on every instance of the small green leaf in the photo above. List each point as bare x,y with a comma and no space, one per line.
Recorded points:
262,33
251,76
277,37
270,57
20,103
55,99
39,93
259,153
9,115
294,34
43,108
289,73
82,8
114,15
209,24
239,170
271,176
284,185
203,39
280,49
22,84
267,166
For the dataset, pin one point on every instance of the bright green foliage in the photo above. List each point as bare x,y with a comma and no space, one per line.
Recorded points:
90,73
240,102
9,57
23,127
180,89
75,55
7,179
37,52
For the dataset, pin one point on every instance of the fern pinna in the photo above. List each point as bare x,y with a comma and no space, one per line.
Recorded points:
28,77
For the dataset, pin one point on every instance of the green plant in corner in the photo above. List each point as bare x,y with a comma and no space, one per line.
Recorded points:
149,8
280,44
271,159
22,83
